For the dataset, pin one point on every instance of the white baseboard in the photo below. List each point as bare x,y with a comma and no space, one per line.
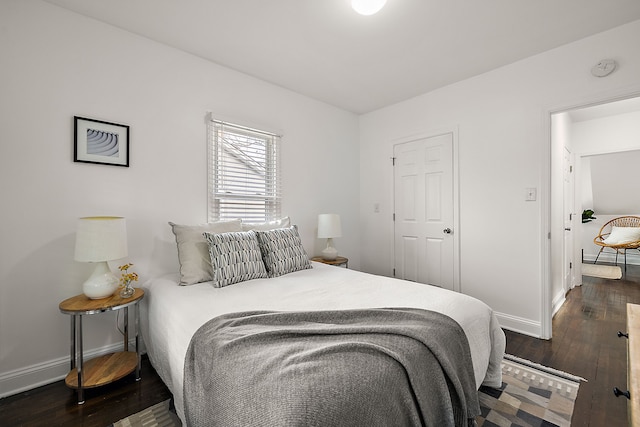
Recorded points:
30,377
520,325
633,258
557,302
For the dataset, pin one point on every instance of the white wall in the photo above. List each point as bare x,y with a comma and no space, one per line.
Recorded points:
502,118
56,64
615,182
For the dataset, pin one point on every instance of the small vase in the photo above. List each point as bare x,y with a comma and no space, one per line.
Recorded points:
127,291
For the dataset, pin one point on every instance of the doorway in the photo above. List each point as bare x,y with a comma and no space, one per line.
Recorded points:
586,132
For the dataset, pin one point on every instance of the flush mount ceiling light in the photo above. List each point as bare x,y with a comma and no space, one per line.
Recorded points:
367,7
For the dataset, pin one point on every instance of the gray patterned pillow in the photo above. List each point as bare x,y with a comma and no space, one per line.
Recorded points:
235,257
282,251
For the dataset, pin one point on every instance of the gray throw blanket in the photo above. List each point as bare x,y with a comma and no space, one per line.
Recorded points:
373,367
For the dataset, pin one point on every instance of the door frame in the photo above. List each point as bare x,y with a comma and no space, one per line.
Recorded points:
456,195
546,312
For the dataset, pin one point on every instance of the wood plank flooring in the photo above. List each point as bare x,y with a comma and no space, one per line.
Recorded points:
56,404
584,343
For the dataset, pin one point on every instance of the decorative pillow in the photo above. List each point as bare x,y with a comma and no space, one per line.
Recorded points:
282,251
235,257
620,235
193,249
265,226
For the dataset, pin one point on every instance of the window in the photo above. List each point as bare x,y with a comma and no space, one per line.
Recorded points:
244,177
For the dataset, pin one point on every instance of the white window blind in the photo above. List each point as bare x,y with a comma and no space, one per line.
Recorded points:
244,175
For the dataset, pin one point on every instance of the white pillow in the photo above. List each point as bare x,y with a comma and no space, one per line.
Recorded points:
621,235
193,249
266,226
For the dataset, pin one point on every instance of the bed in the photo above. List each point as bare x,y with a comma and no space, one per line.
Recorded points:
172,314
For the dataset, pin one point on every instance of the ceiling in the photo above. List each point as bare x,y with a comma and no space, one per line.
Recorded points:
607,109
324,50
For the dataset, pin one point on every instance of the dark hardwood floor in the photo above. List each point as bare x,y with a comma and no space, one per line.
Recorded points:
584,343
56,405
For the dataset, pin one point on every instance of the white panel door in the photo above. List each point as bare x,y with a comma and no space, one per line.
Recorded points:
569,219
424,211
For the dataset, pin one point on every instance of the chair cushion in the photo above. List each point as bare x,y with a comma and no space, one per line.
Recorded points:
620,235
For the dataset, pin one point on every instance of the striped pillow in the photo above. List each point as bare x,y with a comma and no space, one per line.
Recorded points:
282,251
235,257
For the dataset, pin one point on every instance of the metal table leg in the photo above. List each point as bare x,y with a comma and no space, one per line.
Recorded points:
72,341
137,308
126,329
80,361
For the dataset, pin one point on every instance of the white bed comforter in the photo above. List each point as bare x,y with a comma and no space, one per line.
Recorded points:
171,314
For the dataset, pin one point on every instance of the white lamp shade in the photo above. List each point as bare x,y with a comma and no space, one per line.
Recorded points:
101,238
329,226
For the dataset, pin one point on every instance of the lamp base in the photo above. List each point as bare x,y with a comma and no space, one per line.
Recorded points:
102,283
329,253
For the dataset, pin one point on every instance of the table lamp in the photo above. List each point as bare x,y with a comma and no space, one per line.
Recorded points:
328,228
100,239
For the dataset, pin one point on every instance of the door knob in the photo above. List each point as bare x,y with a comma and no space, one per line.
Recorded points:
447,231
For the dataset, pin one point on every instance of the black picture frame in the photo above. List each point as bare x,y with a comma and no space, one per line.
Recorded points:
100,142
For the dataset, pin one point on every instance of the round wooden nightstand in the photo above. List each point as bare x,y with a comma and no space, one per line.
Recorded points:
110,367
339,261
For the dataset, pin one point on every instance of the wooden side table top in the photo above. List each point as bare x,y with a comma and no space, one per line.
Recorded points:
340,260
82,304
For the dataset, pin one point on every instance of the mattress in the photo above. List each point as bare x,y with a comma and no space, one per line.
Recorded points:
171,314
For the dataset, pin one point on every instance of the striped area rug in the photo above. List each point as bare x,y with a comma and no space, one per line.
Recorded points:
531,395
156,416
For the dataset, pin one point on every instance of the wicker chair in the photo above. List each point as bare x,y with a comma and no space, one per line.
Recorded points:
620,246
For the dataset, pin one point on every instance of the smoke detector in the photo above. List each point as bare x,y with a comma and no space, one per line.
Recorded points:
604,68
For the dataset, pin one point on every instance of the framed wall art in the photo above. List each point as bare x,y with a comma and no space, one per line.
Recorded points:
96,141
